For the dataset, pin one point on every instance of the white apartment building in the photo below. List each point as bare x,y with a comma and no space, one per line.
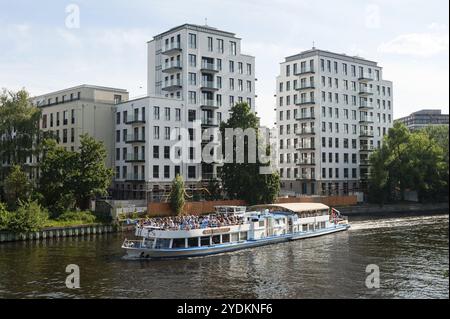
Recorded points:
195,75
72,112
332,111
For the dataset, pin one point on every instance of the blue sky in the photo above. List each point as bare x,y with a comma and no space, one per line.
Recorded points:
409,38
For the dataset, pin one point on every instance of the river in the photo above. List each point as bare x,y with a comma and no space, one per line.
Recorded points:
411,253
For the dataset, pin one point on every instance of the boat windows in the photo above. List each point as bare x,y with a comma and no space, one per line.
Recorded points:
216,239
261,223
162,243
304,227
193,242
179,243
234,237
243,235
225,238
205,241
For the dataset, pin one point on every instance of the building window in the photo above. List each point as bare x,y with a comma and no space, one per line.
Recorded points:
155,171
233,48
191,172
156,152
192,41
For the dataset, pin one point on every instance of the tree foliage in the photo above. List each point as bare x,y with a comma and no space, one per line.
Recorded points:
70,179
409,161
244,180
177,194
16,187
30,216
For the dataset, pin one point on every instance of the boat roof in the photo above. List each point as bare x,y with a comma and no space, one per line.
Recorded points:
293,207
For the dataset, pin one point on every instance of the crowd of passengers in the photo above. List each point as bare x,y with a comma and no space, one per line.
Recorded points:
192,222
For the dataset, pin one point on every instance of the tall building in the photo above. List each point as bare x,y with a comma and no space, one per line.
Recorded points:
195,75
72,112
332,110
424,118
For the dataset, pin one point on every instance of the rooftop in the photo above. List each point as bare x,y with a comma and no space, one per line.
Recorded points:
341,56
83,86
195,27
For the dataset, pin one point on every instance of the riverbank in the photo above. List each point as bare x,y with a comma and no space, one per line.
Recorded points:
57,232
401,208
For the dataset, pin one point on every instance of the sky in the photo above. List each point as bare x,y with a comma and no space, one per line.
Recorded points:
51,45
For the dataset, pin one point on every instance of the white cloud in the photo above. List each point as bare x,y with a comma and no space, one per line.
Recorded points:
425,44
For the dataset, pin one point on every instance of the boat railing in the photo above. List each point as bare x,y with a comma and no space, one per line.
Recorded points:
135,244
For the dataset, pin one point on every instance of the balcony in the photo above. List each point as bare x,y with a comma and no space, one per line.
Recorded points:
209,176
305,87
132,138
364,162
135,158
365,91
209,122
208,86
365,77
133,119
306,102
171,48
366,133
305,71
366,148
209,68
306,147
310,177
172,66
135,178
365,105
306,131
366,120
172,85
306,161
306,117
208,104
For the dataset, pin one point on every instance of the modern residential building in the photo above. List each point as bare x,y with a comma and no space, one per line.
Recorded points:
72,112
332,111
195,75
424,118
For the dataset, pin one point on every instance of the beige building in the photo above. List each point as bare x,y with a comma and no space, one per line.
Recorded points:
72,112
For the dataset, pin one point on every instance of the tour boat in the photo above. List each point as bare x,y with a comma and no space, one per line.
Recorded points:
232,228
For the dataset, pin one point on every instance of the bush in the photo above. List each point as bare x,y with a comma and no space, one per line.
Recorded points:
28,217
83,216
4,217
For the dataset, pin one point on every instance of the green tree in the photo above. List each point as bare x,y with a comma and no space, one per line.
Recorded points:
92,176
177,194
5,216
16,187
243,180
19,130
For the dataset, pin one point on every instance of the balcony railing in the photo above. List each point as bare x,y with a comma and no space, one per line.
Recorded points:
209,85
365,76
365,105
172,66
135,178
365,91
364,162
306,177
209,67
132,119
366,133
172,85
132,138
209,176
135,158
366,119
209,122
306,131
306,161
365,147
207,103
306,70
306,86
306,147
171,48
305,116
306,101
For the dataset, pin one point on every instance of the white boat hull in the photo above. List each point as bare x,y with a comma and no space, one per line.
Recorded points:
143,252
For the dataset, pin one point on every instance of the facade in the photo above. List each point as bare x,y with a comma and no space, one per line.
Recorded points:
424,118
332,110
195,75
72,112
